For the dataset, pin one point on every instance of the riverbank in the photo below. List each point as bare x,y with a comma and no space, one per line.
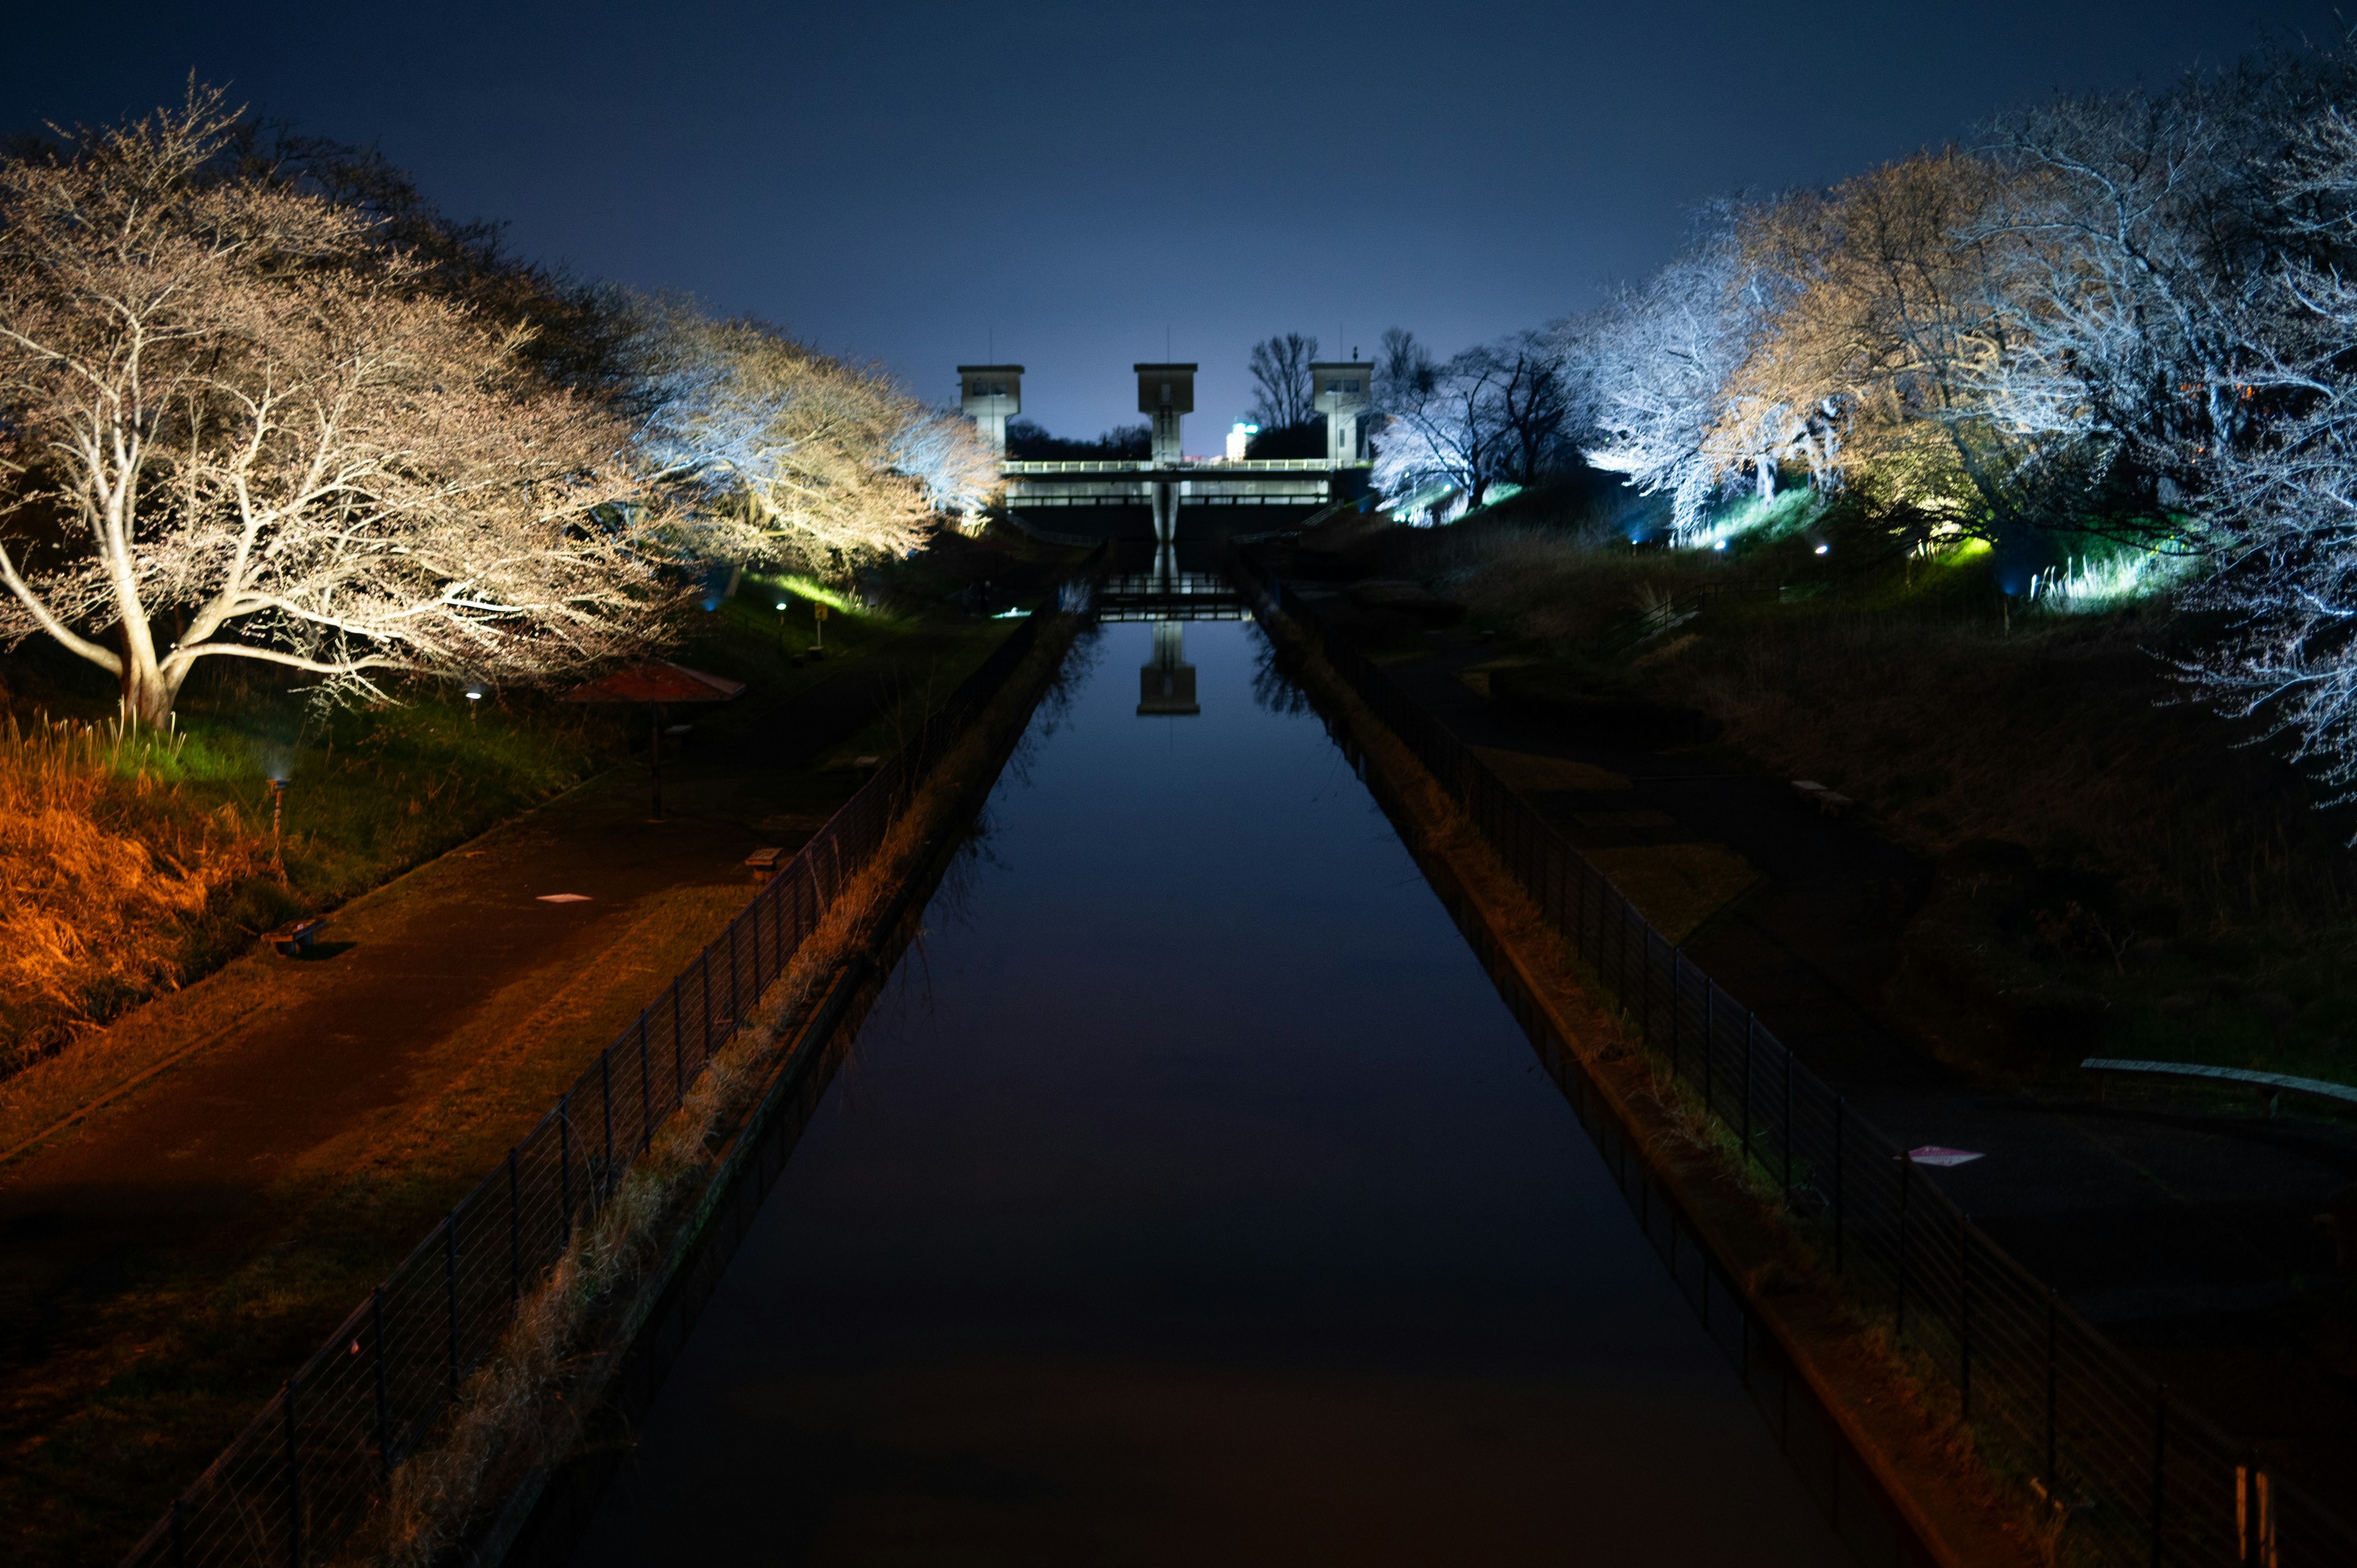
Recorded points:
518,1465
1949,1503
2182,1224
174,1254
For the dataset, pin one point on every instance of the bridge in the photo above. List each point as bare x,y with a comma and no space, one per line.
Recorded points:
1107,498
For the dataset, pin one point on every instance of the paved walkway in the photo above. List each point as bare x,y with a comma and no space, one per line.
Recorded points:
2188,1237
376,1058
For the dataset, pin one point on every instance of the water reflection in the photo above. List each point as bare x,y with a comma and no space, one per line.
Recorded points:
1193,1199
1166,686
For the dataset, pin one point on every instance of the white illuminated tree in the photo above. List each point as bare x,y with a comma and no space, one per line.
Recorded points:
1653,367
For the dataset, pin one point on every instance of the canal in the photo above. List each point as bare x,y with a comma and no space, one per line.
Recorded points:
1190,1196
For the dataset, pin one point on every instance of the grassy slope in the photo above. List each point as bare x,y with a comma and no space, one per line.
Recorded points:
2118,866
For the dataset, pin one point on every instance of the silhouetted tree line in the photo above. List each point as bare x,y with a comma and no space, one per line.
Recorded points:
1027,440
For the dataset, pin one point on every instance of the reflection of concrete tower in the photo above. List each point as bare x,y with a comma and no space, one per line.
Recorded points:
1164,392
993,394
1166,685
1343,390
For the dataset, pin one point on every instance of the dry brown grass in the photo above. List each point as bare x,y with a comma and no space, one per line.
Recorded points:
1557,591
102,868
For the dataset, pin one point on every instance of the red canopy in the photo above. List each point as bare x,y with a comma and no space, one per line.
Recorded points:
657,683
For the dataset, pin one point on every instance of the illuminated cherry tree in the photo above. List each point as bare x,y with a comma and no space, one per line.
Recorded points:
790,456
234,426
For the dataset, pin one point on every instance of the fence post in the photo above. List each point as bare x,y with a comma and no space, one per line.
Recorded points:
1645,985
646,1092
736,1001
1906,1166
2159,1467
384,1410
565,1159
179,1531
605,1096
293,1482
2053,1497
515,1232
678,1020
1678,986
1788,1126
450,1290
1841,1107
706,964
1751,1021
1709,1044
1965,1315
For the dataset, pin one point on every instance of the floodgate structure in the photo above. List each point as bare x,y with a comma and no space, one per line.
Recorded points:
1235,496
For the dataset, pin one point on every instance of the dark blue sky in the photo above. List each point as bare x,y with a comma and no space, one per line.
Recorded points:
906,182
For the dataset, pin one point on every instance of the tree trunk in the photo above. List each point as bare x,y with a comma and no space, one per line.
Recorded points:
1767,466
147,696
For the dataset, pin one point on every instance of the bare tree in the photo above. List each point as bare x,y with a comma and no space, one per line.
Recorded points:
1280,372
790,455
1495,413
232,426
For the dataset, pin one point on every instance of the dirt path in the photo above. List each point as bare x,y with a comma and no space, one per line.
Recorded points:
167,1260
2187,1234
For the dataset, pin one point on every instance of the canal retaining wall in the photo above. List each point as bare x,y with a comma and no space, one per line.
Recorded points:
319,1460
544,1518
2096,1462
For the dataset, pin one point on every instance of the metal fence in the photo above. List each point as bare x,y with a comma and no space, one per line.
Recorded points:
2052,1403
295,1483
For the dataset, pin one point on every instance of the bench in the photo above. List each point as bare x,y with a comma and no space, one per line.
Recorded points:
294,938
765,863
2273,1085
1828,802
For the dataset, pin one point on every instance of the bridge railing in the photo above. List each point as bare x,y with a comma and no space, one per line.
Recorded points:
2052,1403
1018,466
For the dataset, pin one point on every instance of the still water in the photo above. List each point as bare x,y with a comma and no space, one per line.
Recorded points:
1191,1197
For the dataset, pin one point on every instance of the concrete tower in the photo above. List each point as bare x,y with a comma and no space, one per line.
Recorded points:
992,395
1343,390
1164,392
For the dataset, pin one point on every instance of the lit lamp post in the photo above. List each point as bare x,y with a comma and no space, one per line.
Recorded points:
278,807
818,636
475,692
781,628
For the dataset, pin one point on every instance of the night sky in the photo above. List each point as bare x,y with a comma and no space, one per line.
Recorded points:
1068,184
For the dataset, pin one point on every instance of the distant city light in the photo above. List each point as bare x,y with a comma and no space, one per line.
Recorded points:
1719,545
1240,440
1823,548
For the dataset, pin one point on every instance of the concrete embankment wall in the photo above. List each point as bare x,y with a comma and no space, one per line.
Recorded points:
1890,1474
542,1519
